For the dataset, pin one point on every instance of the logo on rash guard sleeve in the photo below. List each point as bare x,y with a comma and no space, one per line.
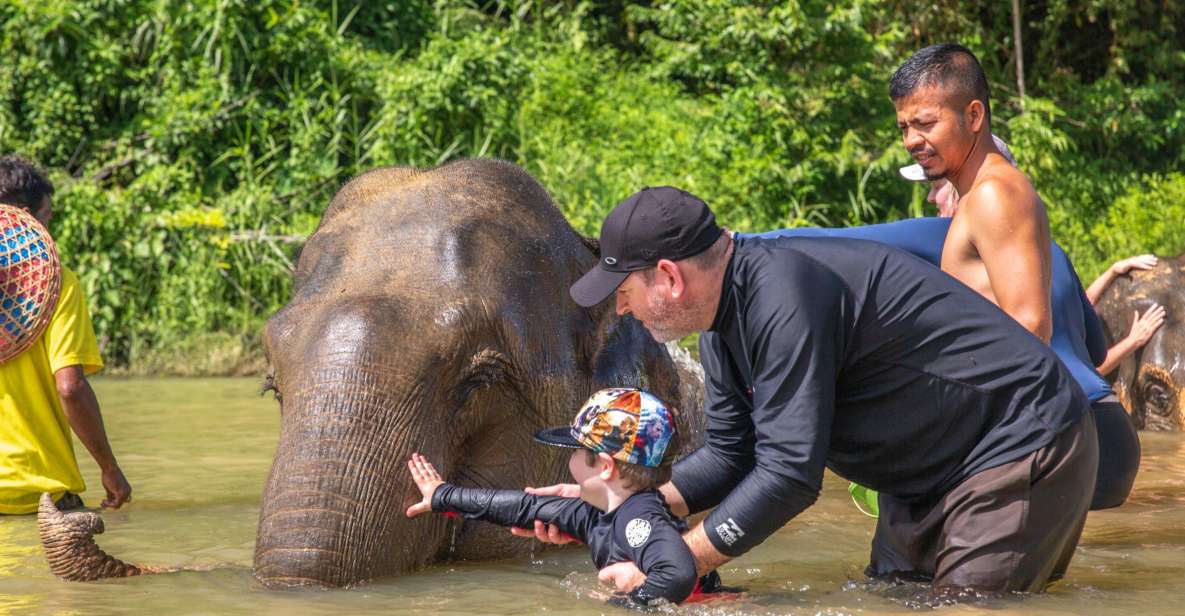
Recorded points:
637,532
729,531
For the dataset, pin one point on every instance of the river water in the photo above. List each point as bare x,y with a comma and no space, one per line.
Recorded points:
197,453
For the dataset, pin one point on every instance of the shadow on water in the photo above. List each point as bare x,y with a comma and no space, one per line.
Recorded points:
198,451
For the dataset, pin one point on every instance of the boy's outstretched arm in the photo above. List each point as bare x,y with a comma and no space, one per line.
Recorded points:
503,507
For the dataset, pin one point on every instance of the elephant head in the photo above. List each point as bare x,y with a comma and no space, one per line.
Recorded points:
1150,382
431,314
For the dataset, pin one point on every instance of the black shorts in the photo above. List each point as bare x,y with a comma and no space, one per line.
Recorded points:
1119,453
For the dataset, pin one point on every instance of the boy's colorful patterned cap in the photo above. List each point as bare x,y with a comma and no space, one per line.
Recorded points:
30,277
629,424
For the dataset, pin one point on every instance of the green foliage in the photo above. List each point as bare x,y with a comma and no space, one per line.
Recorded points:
1147,218
195,143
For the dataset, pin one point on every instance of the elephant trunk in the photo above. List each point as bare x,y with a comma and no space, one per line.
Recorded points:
337,493
73,555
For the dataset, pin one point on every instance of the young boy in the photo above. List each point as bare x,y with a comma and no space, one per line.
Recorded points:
624,442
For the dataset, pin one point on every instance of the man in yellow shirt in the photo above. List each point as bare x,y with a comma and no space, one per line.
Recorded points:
44,392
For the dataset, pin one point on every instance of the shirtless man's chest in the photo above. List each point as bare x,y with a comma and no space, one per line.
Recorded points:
960,258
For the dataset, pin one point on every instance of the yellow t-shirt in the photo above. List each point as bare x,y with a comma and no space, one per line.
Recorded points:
36,449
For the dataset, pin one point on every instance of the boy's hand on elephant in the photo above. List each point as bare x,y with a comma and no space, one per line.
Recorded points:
426,479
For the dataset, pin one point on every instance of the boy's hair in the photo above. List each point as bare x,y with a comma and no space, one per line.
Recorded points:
22,184
637,477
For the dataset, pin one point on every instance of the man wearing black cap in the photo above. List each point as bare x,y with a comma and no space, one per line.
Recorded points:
845,354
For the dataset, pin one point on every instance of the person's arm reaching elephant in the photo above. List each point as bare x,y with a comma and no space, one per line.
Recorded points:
504,507
1096,289
1143,327
549,533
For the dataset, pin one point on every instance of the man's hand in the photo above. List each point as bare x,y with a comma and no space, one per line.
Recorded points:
1142,262
1143,327
624,576
426,479
549,533
119,491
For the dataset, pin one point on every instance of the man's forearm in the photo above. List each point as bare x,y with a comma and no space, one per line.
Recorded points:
706,476
82,412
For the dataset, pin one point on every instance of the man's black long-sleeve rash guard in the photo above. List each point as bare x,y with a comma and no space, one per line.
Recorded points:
865,359
641,530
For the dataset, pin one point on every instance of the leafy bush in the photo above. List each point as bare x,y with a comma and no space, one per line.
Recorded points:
195,143
1148,218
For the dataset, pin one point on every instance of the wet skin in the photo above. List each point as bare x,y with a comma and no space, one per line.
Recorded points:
998,243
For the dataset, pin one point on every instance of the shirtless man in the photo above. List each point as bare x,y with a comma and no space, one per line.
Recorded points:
998,242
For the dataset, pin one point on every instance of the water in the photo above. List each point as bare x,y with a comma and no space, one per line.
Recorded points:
197,453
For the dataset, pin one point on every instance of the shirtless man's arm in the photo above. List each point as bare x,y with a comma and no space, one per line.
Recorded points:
1006,225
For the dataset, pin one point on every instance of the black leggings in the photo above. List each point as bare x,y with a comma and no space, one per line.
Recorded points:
1119,454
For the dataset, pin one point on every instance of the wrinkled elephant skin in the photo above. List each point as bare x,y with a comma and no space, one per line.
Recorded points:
1150,382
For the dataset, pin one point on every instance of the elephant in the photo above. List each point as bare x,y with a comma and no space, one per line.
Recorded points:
1151,382
429,313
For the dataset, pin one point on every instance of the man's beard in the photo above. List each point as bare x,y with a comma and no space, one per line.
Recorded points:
668,321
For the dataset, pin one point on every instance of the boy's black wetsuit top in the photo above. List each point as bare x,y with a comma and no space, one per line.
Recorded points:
865,359
642,531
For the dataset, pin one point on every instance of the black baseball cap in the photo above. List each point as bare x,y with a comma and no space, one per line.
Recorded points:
651,224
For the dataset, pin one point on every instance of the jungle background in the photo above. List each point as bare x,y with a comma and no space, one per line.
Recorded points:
194,144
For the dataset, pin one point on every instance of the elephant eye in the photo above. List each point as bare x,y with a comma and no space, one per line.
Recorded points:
1157,394
486,369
